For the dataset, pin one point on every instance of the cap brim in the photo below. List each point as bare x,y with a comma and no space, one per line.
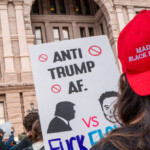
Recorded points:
140,83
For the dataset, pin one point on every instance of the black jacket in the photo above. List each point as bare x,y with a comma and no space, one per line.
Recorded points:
25,143
58,125
31,148
2,146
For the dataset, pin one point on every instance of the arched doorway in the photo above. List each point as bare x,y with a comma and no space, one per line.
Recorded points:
51,19
54,20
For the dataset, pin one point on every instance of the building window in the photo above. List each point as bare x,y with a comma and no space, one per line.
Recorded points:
102,28
56,34
35,8
87,7
2,116
65,33
38,35
52,6
78,7
62,7
91,31
82,32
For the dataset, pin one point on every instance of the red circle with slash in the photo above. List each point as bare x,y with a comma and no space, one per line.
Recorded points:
43,58
56,88
95,50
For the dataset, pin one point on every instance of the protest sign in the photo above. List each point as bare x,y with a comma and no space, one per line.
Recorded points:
76,84
6,128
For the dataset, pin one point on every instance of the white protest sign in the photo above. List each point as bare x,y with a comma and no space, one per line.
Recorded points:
76,84
6,127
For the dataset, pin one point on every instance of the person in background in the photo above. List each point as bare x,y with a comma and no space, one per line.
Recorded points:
27,123
133,105
2,147
35,135
13,143
7,144
21,136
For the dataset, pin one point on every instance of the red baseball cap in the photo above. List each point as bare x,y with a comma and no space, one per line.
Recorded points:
134,52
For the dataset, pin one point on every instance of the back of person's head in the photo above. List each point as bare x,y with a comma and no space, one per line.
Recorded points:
65,110
35,134
29,120
133,105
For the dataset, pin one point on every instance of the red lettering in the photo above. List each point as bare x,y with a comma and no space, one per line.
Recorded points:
95,121
87,124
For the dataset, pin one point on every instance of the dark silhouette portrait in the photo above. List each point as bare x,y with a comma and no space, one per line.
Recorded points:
63,114
107,101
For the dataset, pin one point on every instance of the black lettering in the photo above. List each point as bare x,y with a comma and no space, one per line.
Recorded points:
90,65
66,55
67,68
74,53
52,73
72,88
80,70
80,53
57,57
60,72
79,85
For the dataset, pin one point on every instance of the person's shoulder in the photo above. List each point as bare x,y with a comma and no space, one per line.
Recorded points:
106,146
2,147
23,144
55,121
42,148
29,148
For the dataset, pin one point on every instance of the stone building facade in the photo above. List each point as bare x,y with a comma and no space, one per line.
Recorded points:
27,22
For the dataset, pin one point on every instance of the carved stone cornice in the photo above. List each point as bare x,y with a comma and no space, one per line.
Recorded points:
140,3
5,87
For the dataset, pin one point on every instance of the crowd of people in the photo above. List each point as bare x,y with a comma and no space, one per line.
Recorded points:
31,140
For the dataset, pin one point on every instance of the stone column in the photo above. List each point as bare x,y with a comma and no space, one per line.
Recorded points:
131,12
71,7
61,33
83,7
105,26
10,74
67,7
23,46
45,8
75,30
49,32
87,31
14,111
120,17
57,7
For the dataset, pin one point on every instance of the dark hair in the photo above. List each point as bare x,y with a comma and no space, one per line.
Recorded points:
35,134
63,109
29,120
107,95
134,117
